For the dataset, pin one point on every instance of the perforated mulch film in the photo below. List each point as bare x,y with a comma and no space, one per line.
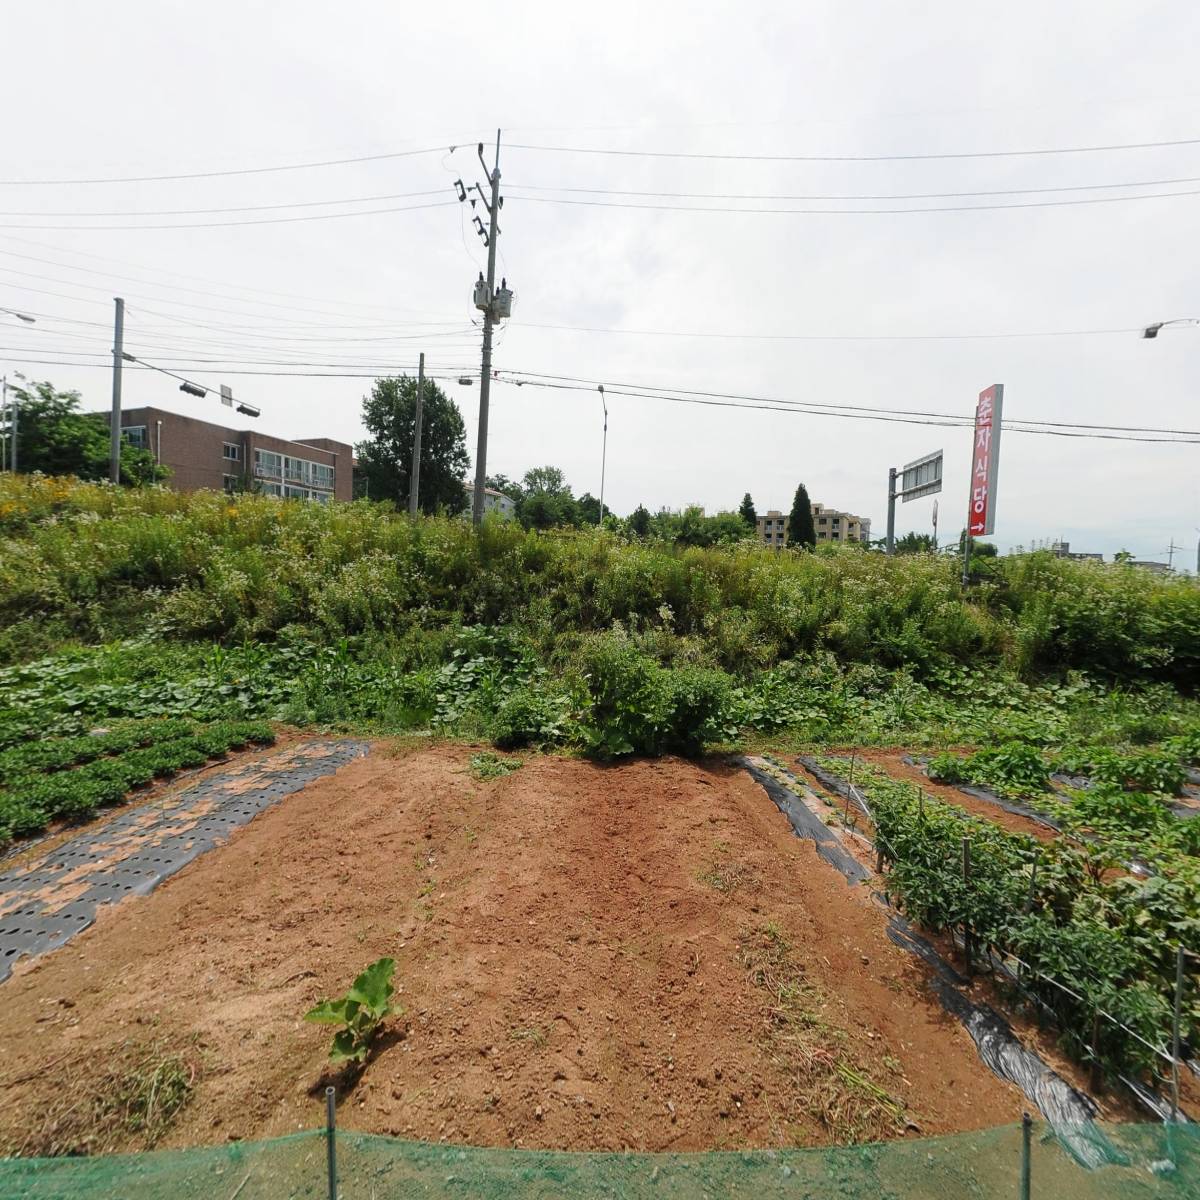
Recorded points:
43,905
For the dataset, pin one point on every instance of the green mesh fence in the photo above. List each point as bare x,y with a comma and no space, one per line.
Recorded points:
1143,1161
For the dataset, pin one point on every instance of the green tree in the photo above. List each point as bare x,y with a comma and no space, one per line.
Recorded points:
801,531
547,500
54,437
384,460
914,543
747,513
546,479
510,487
639,521
589,509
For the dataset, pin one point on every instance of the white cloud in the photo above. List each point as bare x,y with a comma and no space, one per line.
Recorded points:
161,89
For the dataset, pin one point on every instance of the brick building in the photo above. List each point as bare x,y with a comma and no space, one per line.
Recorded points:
203,455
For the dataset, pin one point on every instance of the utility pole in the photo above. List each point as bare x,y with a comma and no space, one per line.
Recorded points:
114,450
891,533
4,417
1171,553
485,375
604,450
414,481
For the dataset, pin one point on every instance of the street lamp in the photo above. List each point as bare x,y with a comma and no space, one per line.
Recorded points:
12,312
1151,331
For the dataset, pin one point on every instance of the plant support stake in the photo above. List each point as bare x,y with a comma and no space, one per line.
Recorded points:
1175,1034
331,1140
1026,1131
966,874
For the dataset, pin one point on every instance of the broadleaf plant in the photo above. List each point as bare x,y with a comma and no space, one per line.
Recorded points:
361,1011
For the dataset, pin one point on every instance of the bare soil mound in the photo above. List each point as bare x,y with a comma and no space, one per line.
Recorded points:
639,956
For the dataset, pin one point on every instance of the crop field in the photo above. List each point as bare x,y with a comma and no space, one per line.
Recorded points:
570,916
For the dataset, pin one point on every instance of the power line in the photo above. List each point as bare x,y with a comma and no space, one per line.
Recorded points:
853,157
23,287
670,333
175,274
831,337
531,378
848,212
1080,187
171,287
794,407
304,166
185,212
848,415
364,212
107,366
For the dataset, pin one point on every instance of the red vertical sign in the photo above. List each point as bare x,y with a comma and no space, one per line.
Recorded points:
985,461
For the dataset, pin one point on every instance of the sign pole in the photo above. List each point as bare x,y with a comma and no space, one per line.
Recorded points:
921,477
891,533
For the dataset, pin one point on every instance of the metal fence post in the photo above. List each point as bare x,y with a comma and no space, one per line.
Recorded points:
1175,1033
1026,1132
1096,1076
966,874
331,1140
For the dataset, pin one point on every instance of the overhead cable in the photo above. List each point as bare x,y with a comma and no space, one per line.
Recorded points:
853,157
304,166
362,212
1079,187
845,212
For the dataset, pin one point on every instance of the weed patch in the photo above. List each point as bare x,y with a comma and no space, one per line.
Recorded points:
137,1099
831,1085
487,766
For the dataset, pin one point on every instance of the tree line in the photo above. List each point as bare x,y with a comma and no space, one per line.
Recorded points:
55,438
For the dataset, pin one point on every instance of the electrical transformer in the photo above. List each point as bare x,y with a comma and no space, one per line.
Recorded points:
503,304
481,293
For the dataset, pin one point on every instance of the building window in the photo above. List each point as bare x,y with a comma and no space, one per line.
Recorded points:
271,489
135,435
231,483
822,520
231,451
268,463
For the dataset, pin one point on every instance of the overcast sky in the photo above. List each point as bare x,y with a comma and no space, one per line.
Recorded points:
161,88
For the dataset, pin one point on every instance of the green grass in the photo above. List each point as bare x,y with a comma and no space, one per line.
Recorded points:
486,766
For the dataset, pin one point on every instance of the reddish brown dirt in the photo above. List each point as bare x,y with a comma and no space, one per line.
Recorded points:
892,761
568,977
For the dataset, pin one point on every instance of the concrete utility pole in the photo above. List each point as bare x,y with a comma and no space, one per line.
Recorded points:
114,450
12,426
603,451
485,377
414,481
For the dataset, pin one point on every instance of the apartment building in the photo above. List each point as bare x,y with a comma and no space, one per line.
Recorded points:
201,454
834,526
831,525
772,529
493,502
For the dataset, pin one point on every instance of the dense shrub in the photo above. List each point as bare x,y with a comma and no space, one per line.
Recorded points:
83,557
